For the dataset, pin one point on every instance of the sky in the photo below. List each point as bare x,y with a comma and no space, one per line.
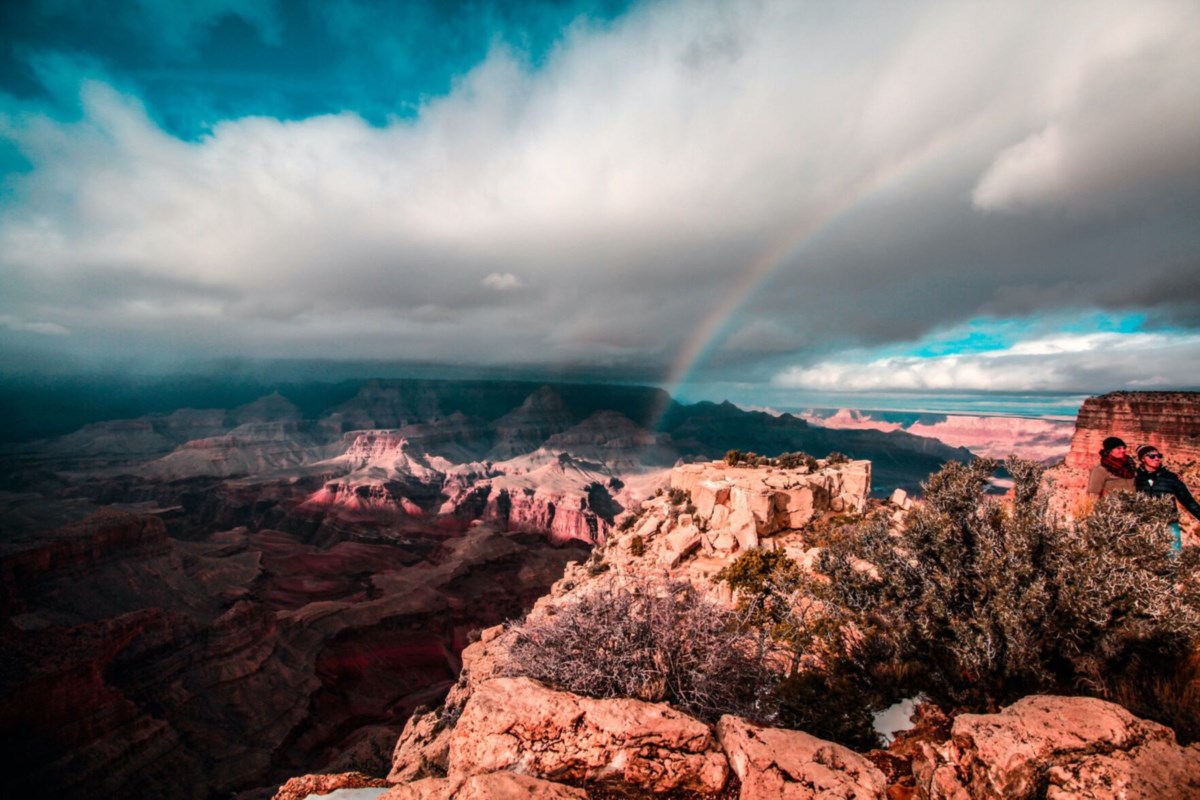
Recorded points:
769,202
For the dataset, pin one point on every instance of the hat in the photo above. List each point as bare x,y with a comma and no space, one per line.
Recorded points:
1112,443
1147,449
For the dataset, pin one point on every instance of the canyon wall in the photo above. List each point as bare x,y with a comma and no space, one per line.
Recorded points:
1167,420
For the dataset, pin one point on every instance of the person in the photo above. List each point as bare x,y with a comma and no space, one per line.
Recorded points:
1154,479
1115,471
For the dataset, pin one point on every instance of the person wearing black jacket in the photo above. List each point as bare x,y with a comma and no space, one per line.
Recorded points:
1154,479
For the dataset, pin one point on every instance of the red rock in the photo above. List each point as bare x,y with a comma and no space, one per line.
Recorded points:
1059,748
493,786
305,785
793,765
519,724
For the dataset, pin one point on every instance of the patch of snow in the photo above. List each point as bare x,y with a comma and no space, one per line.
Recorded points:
350,794
895,719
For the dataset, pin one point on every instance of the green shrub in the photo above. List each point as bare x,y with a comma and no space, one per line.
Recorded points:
637,546
1000,599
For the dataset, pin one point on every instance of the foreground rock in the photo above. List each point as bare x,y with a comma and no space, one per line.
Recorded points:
792,765
518,724
1060,748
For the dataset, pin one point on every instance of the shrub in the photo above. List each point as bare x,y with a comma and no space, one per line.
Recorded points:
647,641
637,546
822,687
678,497
1000,599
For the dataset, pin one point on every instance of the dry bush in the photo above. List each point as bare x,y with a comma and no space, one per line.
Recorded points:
647,641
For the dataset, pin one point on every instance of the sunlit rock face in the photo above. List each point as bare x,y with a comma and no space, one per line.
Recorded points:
1043,440
1167,420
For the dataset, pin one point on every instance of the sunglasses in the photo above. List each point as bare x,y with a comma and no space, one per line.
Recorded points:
1153,457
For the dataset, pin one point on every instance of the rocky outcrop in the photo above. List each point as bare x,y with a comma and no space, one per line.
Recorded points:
774,763
519,725
307,785
492,786
1060,748
1167,420
732,507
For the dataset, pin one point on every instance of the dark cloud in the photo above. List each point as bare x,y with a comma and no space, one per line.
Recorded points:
750,192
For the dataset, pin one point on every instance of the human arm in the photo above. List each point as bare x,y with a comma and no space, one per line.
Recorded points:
1185,498
1096,481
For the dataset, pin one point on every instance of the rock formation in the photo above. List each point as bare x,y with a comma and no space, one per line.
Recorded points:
1044,440
1167,420
493,723
1060,748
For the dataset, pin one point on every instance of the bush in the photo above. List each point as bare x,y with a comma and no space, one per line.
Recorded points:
650,642
1000,599
637,546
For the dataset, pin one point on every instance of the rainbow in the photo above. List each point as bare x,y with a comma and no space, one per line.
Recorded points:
714,329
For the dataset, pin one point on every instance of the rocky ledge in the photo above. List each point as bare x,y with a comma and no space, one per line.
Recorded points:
501,735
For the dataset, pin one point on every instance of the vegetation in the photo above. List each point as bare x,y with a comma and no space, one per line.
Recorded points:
796,460
648,641
637,546
977,602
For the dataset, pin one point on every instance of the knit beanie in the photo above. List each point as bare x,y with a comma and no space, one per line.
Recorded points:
1112,443
1144,449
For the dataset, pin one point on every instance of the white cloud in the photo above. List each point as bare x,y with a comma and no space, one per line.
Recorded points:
1093,362
502,281
42,328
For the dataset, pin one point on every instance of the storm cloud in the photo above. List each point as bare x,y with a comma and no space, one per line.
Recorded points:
797,195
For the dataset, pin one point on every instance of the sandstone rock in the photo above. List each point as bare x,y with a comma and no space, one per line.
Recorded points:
679,544
1081,747
799,505
899,496
792,765
305,785
519,724
492,786
744,528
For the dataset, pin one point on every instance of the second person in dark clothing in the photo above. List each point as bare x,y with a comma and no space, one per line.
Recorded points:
1154,479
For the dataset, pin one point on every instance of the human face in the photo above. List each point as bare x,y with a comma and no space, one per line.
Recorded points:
1119,452
1152,461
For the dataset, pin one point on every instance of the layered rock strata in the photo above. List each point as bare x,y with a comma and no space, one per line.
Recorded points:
1168,420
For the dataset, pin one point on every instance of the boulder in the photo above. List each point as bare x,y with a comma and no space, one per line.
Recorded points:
744,528
306,785
1060,748
799,506
519,724
493,786
792,765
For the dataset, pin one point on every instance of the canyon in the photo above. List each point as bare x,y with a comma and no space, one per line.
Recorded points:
1046,441
202,602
